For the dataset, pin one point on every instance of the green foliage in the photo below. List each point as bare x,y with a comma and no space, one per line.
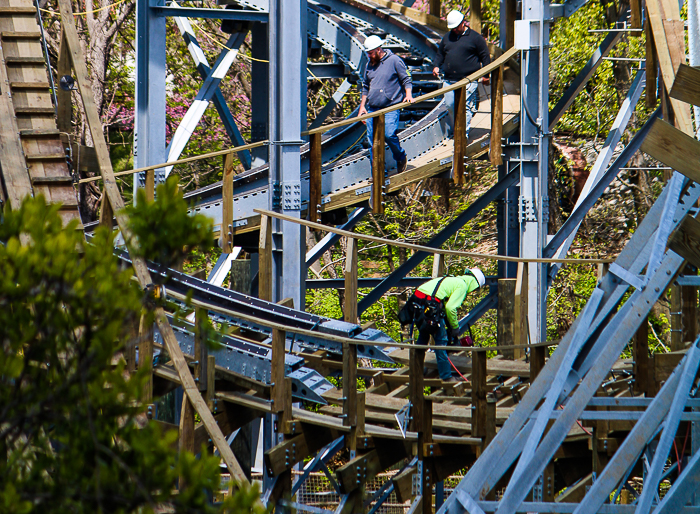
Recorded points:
164,228
74,436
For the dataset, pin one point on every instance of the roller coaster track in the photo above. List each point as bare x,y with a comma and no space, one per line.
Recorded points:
33,157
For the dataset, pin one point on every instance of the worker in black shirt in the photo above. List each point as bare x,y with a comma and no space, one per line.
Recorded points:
462,52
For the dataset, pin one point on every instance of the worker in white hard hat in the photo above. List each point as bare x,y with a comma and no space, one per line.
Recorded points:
461,52
449,294
386,82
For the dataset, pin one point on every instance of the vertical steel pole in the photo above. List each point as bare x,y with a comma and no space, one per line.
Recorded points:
260,100
149,124
534,137
287,70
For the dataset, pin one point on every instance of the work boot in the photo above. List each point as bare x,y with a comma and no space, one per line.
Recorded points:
401,166
451,380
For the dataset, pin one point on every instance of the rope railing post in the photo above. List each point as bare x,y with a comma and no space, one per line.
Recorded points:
265,259
378,159
460,135
315,192
495,147
226,230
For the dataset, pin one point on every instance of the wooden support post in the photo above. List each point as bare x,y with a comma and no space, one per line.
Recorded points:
425,437
226,231
239,279
378,165
651,66
510,15
636,17
64,109
434,7
643,380
315,191
186,441
150,185
479,414
350,310
106,212
265,259
210,395
201,352
538,355
438,265
146,354
505,327
460,135
416,361
490,428
495,147
277,372
475,15
349,385
683,314
520,332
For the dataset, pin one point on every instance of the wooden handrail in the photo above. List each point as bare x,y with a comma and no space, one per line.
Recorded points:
429,96
421,248
183,161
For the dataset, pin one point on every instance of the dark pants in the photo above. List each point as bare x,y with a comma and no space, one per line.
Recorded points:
441,339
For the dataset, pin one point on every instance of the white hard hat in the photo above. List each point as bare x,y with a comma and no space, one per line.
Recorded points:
478,275
373,42
454,19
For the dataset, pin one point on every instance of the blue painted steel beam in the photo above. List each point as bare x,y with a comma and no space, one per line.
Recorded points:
437,241
325,70
490,301
331,239
577,216
216,14
584,75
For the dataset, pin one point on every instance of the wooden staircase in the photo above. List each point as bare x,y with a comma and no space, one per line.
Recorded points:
33,157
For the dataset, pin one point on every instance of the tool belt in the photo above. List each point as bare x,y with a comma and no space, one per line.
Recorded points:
423,311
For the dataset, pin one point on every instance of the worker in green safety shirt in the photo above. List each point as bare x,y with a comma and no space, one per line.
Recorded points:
449,293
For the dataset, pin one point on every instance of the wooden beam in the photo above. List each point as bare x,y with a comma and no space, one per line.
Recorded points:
265,259
295,449
538,356
201,352
403,484
315,178
685,240
64,107
350,310
186,430
139,264
378,163
106,213
474,19
510,15
495,148
146,355
425,437
364,467
674,148
686,85
479,415
520,332
277,372
460,135
349,385
651,67
636,17
434,8
210,392
226,231
640,354
438,265
669,39
417,394
505,327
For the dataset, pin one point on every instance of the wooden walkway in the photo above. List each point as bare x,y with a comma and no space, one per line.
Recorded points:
32,154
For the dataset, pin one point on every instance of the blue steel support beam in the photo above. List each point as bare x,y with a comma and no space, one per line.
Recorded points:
208,91
505,448
490,301
584,76
332,104
578,214
287,44
437,241
604,156
216,14
149,123
331,239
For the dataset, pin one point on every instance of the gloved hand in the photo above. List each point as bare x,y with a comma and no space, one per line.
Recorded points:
454,334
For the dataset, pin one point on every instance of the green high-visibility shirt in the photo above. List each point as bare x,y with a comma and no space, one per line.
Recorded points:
452,292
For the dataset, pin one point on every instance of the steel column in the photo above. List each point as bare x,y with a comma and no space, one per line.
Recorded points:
287,72
149,122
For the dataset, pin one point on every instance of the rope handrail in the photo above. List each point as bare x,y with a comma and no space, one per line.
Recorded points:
421,248
429,96
340,339
182,161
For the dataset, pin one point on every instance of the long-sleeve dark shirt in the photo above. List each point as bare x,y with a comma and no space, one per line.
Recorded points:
462,55
385,83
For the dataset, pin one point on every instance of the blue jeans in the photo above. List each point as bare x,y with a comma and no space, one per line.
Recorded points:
443,364
391,129
472,105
